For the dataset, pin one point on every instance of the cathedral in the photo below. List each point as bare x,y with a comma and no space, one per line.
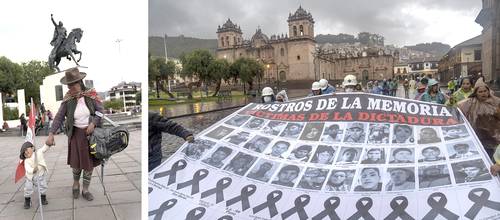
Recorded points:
295,58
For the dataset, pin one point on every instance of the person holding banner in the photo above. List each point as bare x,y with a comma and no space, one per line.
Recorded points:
36,170
79,107
464,92
482,110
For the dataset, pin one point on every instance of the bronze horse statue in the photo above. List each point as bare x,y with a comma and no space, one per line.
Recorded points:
67,49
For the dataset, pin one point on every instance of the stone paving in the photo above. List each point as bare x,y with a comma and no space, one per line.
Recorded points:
122,179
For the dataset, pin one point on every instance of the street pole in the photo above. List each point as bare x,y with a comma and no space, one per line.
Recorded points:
124,106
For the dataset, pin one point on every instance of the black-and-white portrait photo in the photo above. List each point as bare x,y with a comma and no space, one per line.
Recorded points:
432,176
312,132
401,178
274,127
218,156
454,132
402,134
219,132
257,144
462,150
402,155
431,154
369,179
340,180
287,176
255,123
470,171
292,130
428,135
278,149
349,155
374,156
237,120
238,137
240,163
378,133
313,178
355,133
324,154
332,133
198,148
263,170
301,153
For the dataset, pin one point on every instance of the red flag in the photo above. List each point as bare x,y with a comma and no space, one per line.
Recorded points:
30,134
20,171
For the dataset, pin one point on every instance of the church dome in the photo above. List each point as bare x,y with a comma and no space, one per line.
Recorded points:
229,26
259,36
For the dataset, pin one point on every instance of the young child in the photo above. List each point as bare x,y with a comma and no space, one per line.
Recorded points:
36,169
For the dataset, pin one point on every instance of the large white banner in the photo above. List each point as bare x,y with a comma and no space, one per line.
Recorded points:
346,156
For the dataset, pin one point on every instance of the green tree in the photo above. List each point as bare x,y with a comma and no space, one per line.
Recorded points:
115,104
218,71
166,71
153,75
10,76
195,64
247,70
33,74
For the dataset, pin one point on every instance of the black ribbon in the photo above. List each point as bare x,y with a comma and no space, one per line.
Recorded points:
218,190
196,213
299,204
246,192
150,189
226,217
438,207
363,209
480,202
330,205
398,210
272,198
172,173
158,213
195,182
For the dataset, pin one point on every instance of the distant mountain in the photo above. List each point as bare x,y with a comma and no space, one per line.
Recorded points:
178,45
364,38
436,48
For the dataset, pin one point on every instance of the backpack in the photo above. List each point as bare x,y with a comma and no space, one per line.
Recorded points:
105,142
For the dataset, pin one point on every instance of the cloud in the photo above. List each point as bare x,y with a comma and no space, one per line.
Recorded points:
401,22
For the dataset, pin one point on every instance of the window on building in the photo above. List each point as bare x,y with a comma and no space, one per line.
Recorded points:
234,40
294,31
227,40
477,55
301,29
222,41
298,57
59,92
282,51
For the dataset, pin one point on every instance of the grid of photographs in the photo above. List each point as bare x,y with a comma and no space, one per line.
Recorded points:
343,157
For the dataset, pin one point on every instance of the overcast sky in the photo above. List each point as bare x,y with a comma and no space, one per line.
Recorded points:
401,22
26,32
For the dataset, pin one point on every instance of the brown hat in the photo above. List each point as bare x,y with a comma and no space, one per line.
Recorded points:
72,75
479,83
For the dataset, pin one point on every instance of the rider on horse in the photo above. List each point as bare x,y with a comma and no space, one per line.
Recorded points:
59,35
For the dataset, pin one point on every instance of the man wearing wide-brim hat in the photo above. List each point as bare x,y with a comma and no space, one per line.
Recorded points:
78,110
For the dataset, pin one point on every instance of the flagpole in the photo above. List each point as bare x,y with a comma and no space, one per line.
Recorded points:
32,129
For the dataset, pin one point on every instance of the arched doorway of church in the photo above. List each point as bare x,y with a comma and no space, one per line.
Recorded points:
365,75
282,76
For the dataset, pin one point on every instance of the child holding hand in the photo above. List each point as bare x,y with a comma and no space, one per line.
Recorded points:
36,170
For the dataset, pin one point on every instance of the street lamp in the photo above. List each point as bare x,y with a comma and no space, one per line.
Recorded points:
267,74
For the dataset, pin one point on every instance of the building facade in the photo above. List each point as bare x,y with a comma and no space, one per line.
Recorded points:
489,19
424,67
286,57
127,92
464,59
294,58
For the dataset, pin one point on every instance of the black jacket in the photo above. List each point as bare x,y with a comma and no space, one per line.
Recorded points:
157,125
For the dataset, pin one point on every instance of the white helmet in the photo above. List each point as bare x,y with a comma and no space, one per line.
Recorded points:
267,91
315,86
323,83
350,80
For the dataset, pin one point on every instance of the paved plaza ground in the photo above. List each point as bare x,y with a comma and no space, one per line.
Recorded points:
122,178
